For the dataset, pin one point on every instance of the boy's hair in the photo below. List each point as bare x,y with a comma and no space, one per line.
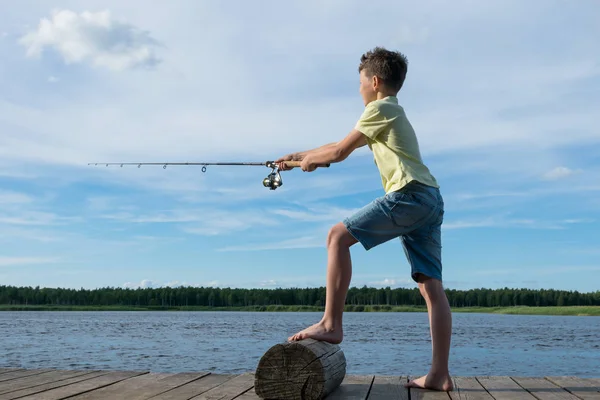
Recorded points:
389,66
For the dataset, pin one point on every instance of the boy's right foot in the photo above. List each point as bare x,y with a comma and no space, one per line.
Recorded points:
441,383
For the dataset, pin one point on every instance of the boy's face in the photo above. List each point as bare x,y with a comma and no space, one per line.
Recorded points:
368,87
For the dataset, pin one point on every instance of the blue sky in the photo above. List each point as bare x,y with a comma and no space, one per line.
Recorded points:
503,96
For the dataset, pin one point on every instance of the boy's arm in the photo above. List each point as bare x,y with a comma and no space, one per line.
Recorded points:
336,152
303,154
298,156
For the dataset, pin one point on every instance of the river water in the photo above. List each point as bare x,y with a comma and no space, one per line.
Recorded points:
233,342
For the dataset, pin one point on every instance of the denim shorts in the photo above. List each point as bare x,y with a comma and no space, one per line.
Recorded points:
414,214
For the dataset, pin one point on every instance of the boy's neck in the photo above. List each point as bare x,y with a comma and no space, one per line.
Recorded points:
383,95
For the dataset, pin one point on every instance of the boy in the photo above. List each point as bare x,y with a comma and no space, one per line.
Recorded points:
412,209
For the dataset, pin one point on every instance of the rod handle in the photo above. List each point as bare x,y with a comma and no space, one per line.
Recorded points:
294,164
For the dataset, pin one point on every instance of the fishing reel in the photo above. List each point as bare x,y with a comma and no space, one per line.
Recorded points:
273,180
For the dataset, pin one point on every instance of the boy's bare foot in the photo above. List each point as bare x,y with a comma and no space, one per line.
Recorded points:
320,331
441,383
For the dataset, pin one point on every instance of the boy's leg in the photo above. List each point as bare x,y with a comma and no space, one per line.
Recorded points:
339,273
440,325
423,248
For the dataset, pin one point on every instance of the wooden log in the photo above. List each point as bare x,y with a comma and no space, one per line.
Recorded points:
302,370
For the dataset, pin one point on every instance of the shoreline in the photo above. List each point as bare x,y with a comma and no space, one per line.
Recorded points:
512,310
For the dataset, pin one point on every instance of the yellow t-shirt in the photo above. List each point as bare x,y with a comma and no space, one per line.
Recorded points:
391,138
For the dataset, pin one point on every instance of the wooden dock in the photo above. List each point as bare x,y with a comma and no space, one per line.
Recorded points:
52,384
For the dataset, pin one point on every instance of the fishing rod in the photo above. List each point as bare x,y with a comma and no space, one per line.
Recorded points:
272,181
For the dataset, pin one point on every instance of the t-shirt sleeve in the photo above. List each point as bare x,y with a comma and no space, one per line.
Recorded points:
372,122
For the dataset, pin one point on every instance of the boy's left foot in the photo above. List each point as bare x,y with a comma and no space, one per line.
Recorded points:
443,383
319,331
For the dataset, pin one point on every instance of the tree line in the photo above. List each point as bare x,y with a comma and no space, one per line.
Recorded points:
234,297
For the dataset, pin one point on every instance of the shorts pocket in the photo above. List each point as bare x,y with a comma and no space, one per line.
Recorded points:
435,228
406,211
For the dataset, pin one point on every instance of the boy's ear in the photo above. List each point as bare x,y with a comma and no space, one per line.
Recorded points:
376,82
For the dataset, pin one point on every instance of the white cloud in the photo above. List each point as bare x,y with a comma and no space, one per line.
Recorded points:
560,173
581,250
494,199
219,219
304,242
545,270
14,198
316,213
220,222
501,221
101,203
95,37
176,283
472,223
570,268
203,221
150,284
144,284
23,235
35,218
315,237
391,282
53,79
578,221
267,283
493,194
14,261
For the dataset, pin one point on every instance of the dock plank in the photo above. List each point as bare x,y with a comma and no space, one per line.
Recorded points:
84,386
51,385
141,387
194,388
230,389
583,388
388,387
4,370
21,374
468,388
38,380
594,381
543,389
353,387
249,395
504,388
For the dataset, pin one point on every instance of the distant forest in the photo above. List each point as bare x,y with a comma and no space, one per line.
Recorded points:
228,297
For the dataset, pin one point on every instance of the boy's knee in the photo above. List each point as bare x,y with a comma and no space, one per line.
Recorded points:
431,288
423,292
339,236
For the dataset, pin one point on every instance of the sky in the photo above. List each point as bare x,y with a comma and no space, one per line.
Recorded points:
501,95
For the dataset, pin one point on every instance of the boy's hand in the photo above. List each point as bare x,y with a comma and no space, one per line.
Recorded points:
290,157
307,164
